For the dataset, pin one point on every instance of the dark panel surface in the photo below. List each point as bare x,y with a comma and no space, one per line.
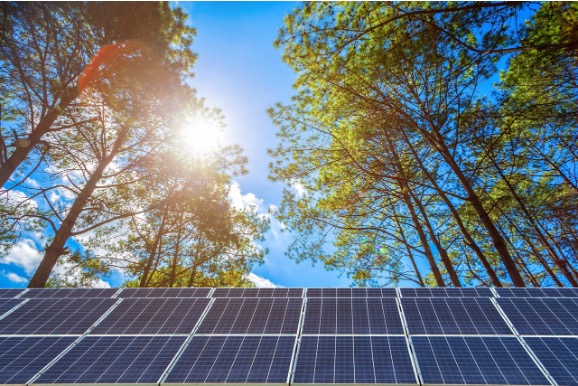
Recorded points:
70,293
453,316
446,292
559,356
258,292
352,316
537,292
234,359
55,316
22,358
164,293
9,292
153,316
121,359
475,360
252,316
7,304
542,316
351,292
359,359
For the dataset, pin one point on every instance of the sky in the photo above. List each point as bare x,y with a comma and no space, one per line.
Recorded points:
240,72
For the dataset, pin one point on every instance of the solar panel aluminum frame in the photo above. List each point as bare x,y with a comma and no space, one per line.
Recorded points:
411,349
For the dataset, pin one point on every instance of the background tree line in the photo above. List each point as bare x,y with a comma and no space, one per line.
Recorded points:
92,97
435,142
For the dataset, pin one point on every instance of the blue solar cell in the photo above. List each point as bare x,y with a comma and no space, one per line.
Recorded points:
55,316
353,359
537,292
114,359
258,292
22,358
559,356
234,359
69,293
153,316
164,292
351,292
446,292
352,316
453,316
9,292
252,316
542,316
475,360
7,304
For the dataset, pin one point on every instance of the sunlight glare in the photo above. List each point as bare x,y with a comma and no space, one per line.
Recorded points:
201,135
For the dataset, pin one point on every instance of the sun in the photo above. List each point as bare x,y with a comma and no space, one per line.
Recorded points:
200,135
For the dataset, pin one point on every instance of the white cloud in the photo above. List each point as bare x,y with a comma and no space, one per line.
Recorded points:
23,254
244,201
298,188
16,278
261,282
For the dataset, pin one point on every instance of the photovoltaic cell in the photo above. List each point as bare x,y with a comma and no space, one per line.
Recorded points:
352,316
7,304
453,316
234,359
351,292
9,293
69,293
446,292
559,356
537,292
475,360
22,357
114,359
353,359
258,292
186,292
153,316
55,316
542,316
252,316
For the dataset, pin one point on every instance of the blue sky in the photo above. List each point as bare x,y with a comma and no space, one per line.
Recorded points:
240,72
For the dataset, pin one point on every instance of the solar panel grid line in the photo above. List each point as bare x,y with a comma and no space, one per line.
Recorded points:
11,310
108,312
22,293
211,292
537,361
411,349
505,317
297,338
117,293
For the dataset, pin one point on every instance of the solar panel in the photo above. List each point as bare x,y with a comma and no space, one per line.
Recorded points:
22,357
69,293
114,359
353,359
559,356
542,316
446,292
475,360
351,292
55,316
352,316
537,292
7,304
153,316
258,292
453,316
252,316
164,292
9,293
234,359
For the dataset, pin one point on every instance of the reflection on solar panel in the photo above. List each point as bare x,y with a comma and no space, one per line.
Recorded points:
21,358
164,293
55,316
153,316
7,304
559,356
446,292
69,293
537,292
352,316
353,359
9,293
234,359
542,316
118,359
475,360
351,292
258,292
252,316
453,316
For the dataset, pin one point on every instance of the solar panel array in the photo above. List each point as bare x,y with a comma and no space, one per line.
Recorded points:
281,336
